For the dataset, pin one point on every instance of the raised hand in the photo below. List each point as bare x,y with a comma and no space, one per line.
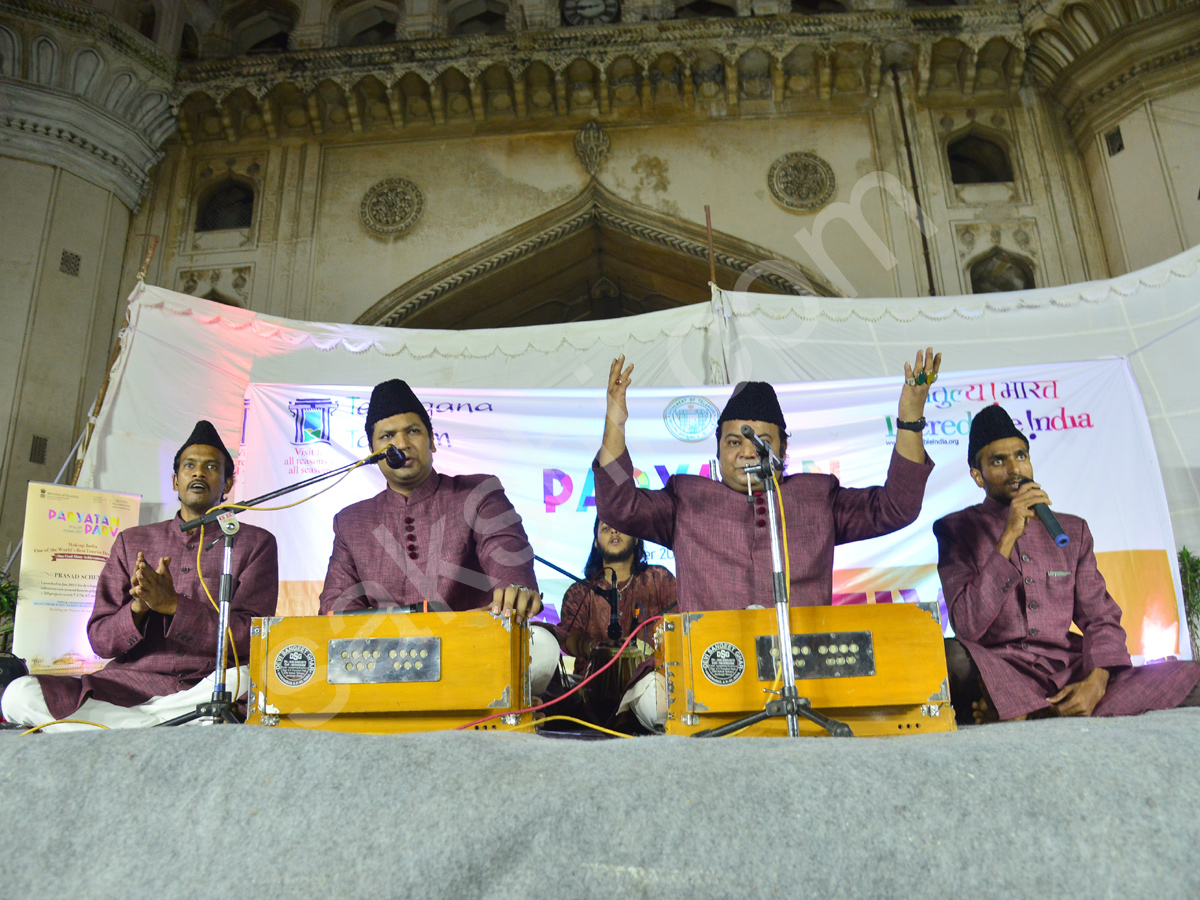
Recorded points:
617,410
918,378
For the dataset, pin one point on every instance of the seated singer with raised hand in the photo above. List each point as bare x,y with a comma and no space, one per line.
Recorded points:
454,539
1012,594
721,542
153,620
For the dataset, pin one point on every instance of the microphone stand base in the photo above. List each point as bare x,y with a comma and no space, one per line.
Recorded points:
783,707
220,709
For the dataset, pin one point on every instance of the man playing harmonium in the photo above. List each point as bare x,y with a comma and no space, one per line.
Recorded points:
643,591
154,621
719,532
432,538
1012,594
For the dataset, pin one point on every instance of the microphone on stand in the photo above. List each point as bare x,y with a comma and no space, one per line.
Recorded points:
614,621
1042,511
763,449
395,458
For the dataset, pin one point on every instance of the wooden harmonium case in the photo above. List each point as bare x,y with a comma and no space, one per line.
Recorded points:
881,668
386,672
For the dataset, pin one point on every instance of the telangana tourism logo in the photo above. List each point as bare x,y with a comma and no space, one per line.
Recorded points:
691,418
313,417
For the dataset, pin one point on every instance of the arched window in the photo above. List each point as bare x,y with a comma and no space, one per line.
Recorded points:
147,17
372,22
1001,271
478,17
817,6
265,31
705,9
230,205
976,160
189,45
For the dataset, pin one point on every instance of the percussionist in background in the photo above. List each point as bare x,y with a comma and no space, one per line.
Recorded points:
643,591
427,537
1012,594
719,530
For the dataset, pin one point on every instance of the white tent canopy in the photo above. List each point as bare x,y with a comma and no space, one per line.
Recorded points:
183,359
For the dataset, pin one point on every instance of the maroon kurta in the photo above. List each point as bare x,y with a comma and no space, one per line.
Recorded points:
585,611
722,543
1013,616
168,653
455,539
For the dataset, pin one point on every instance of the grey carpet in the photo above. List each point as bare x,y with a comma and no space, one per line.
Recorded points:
1082,808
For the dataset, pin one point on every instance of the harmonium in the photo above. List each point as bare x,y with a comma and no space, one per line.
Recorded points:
385,671
880,668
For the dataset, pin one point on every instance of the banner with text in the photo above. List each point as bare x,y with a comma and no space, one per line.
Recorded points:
1090,445
69,532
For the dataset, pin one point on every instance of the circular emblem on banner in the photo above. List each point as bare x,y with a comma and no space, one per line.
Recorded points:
722,663
295,665
691,418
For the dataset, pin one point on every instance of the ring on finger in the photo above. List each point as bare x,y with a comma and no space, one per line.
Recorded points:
911,381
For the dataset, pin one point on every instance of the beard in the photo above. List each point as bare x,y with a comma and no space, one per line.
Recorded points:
616,556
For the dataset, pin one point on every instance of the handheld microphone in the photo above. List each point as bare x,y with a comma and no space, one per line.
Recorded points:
763,449
1042,511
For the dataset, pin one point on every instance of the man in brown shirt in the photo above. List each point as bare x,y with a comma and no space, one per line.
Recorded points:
428,537
155,622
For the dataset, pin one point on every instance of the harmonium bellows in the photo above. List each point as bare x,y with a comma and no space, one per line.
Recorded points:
388,672
879,668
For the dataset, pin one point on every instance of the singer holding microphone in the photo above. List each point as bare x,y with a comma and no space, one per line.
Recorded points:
427,537
1015,575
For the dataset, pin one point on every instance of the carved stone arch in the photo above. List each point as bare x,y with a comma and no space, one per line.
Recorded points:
705,9
582,83
261,25
10,54
477,16
596,256
363,22
981,133
120,91
1083,22
44,60
997,270
150,107
87,72
625,81
708,75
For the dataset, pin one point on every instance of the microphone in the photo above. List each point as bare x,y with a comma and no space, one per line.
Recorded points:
1042,511
763,449
614,621
395,458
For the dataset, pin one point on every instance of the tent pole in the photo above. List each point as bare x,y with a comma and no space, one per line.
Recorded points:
712,257
90,426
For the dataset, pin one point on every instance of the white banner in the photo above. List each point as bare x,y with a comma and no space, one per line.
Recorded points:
1090,445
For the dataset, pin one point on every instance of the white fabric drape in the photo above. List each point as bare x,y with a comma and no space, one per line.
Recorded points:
183,358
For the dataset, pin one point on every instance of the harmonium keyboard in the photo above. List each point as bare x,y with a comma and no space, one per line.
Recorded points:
879,668
386,672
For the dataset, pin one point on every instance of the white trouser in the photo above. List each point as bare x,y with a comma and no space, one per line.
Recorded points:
543,658
648,700
24,704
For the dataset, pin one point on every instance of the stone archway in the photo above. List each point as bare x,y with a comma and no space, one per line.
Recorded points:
595,257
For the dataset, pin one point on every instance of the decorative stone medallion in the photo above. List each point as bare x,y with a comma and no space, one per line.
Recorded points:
591,145
801,181
392,207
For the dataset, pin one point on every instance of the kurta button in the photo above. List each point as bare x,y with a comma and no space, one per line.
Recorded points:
1024,558
761,523
408,520
1033,632
1028,580
185,569
412,554
1033,604
179,653
410,527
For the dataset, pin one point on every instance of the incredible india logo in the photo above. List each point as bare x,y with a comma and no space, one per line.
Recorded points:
691,419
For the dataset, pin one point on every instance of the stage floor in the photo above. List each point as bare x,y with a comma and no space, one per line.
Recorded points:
1085,808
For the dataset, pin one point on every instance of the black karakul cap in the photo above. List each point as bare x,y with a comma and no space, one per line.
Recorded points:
992,424
394,398
204,433
753,401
